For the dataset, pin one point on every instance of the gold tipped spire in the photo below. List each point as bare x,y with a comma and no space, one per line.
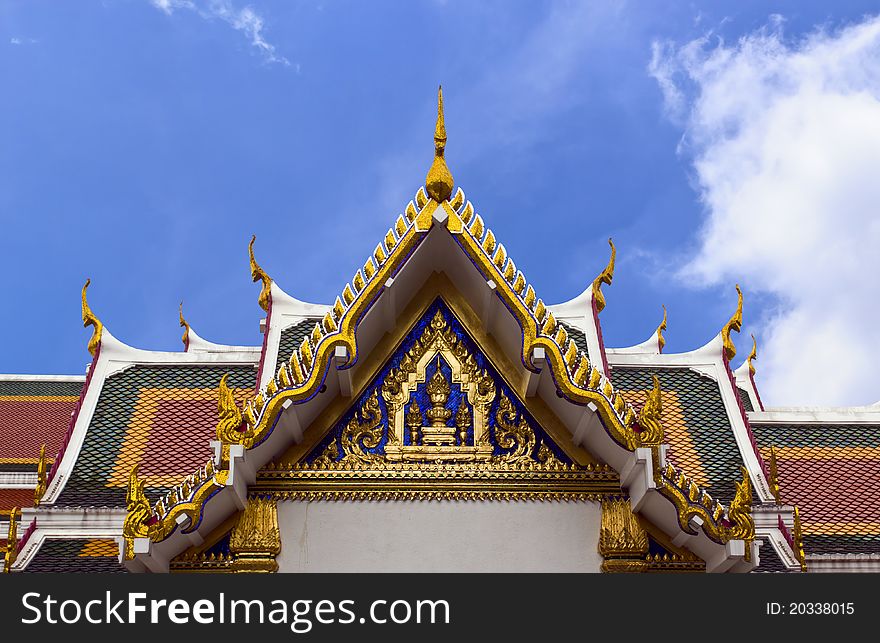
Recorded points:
185,326
753,355
89,319
42,477
258,274
604,277
662,327
735,323
439,180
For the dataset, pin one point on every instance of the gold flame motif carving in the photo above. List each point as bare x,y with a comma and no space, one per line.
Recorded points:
651,433
363,433
798,540
439,182
89,319
735,323
605,277
258,274
512,432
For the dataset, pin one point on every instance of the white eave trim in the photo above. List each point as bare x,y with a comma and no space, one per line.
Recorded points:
817,415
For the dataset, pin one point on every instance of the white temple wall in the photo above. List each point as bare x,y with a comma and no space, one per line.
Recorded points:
439,536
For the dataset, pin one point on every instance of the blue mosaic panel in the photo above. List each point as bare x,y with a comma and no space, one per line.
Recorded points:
420,395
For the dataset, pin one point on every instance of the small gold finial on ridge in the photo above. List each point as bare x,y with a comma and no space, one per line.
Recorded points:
258,274
89,319
439,179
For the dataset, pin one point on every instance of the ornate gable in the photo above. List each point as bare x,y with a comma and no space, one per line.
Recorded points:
438,420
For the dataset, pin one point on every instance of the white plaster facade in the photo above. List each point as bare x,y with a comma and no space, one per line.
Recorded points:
439,536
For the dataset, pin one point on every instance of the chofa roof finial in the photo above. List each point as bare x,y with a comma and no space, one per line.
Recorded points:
735,323
185,326
604,277
258,274
753,355
439,180
661,341
89,319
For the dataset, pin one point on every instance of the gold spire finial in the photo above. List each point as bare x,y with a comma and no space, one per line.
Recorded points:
753,355
735,323
185,326
42,477
661,341
439,180
258,274
11,541
89,319
604,277
649,419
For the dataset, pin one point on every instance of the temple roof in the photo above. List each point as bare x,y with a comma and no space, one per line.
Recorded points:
158,416
34,411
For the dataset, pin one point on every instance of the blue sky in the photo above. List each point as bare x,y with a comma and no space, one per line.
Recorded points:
144,142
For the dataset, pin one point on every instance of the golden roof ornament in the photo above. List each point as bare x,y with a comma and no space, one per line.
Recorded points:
753,355
661,341
439,180
604,277
89,319
42,477
798,540
740,512
258,274
649,419
11,541
735,323
774,477
185,326
229,424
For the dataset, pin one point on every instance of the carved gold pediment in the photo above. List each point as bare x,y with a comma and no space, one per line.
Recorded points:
440,421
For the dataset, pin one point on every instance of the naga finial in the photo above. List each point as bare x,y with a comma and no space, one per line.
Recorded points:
798,540
740,511
89,319
11,542
439,180
185,326
258,274
661,341
649,419
735,323
230,418
753,355
137,512
604,277
774,477
42,477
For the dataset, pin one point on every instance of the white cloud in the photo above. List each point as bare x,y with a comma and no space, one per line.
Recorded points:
785,140
246,20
